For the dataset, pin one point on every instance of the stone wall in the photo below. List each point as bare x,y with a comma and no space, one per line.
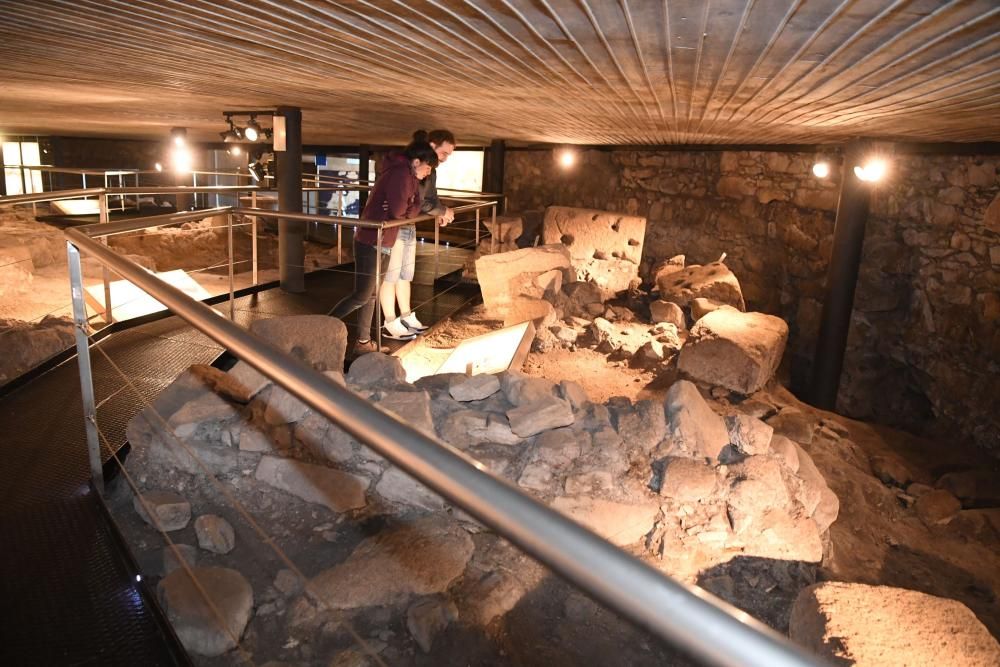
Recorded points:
924,348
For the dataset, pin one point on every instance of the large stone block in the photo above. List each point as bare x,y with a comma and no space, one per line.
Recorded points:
605,247
881,625
318,340
508,276
738,351
712,281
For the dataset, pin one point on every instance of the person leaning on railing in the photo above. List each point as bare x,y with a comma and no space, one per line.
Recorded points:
402,262
395,196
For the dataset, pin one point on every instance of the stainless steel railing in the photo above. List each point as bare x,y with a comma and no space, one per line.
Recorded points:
683,615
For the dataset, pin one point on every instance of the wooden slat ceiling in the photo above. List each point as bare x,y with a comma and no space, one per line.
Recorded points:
573,71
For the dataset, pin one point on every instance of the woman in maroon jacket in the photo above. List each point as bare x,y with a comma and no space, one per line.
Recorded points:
395,196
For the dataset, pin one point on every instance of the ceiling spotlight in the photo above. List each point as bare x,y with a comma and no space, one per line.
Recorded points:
233,133
179,135
252,131
821,169
872,171
158,166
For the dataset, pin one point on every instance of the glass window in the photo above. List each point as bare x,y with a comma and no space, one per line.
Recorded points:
15,154
462,171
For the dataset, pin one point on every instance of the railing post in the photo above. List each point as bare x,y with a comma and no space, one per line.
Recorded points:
437,249
476,244
493,234
105,272
340,227
83,361
253,236
229,230
378,278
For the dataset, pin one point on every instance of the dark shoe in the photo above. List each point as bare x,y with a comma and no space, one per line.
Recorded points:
364,347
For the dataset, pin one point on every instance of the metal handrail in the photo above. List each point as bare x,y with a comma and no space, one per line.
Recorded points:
680,614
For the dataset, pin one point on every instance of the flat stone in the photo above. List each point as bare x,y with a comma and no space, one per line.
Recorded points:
785,451
426,619
194,620
250,381
667,311
890,470
619,523
693,428
169,510
398,487
206,410
283,407
701,307
782,537
376,370
688,480
794,425
937,508
574,393
339,491
422,557
239,387
757,487
971,486
644,426
411,407
521,389
881,625
593,482
735,350
540,415
474,388
214,533
665,267
712,281
318,340
749,435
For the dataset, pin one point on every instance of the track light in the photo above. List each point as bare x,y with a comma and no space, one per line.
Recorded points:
233,133
252,131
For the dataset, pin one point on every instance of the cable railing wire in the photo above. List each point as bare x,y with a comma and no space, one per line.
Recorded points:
224,491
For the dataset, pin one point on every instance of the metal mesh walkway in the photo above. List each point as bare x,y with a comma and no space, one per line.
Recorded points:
68,594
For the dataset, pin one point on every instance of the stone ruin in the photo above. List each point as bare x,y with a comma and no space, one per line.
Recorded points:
713,473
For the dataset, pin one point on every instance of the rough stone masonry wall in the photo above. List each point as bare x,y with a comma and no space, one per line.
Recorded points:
924,348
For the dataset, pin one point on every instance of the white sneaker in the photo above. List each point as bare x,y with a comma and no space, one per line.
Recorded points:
396,330
411,322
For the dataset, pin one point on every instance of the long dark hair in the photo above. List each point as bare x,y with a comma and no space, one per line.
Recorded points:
421,150
436,137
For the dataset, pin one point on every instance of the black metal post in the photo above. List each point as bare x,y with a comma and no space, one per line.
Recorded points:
841,280
291,233
494,167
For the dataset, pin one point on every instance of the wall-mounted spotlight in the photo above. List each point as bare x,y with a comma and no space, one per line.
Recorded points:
158,166
821,169
871,171
235,150
566,157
